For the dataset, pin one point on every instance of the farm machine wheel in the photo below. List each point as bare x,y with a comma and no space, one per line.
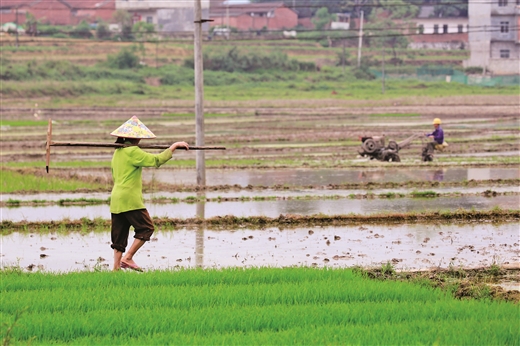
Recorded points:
369,146
392,158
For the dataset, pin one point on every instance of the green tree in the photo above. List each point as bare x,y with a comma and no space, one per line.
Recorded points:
322,18
143,29
82,30
124,19
389,23
451,8
125,59
31,24
102,30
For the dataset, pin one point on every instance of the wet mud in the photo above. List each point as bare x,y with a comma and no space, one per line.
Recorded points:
495,215
171,180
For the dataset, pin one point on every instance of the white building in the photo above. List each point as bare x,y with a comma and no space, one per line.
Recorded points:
167,16
435,32
494,36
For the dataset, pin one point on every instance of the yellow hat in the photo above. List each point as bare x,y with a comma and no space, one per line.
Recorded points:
436,121
133,128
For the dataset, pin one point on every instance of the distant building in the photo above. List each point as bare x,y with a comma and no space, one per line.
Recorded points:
342,22
439,32
253,16
494,37
167,16
57,12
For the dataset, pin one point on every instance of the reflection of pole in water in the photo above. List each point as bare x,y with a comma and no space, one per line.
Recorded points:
199,248
199,238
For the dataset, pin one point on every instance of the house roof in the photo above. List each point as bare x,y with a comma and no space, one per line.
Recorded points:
71,4
235,10
425,12
92,4
16,3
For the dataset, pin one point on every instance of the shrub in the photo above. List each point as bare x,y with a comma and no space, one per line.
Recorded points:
60,35
474,70
126,58
82,30
102,31
236,61
363,73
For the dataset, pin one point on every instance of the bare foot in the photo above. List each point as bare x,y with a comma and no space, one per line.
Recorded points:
130,262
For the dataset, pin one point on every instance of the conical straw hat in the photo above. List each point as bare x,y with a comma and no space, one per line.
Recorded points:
133,128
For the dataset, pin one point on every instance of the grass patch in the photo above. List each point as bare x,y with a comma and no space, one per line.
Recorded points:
423,194
243,306
17,182
16,123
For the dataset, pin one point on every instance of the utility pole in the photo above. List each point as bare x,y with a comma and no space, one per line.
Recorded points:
383,72
227,19
199,95
17,44
344,56
360,39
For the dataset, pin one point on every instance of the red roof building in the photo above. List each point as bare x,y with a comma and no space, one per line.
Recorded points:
57,12
254,16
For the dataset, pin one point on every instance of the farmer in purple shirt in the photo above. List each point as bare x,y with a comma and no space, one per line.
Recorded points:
438,141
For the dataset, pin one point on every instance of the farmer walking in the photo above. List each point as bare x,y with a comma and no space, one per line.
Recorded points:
438,141
126,200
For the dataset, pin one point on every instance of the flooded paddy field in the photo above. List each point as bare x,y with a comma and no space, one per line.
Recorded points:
405,246
318,177
234,193
270,207
280,161
277,137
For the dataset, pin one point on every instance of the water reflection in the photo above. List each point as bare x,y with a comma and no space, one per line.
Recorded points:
316,177
406,246
237,193
199,241
270,208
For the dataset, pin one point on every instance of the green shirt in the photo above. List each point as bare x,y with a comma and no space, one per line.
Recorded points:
127,167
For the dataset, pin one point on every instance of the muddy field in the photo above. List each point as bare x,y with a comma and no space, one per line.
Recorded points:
290,189
281,136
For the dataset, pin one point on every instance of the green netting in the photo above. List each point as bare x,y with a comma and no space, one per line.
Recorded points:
436,74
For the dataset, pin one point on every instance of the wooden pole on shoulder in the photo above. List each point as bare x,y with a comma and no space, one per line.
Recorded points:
50,144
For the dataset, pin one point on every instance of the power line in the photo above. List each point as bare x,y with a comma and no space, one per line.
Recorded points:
367,34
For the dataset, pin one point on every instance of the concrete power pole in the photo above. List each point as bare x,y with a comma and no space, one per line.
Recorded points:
199,96
227,20
360,39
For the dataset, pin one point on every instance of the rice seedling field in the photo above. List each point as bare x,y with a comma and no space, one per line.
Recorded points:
296,238
244,306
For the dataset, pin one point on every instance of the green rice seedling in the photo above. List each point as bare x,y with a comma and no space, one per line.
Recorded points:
9,327
244,306
175,200
387,269
13,202
191,199
16,182
18,123
82,200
